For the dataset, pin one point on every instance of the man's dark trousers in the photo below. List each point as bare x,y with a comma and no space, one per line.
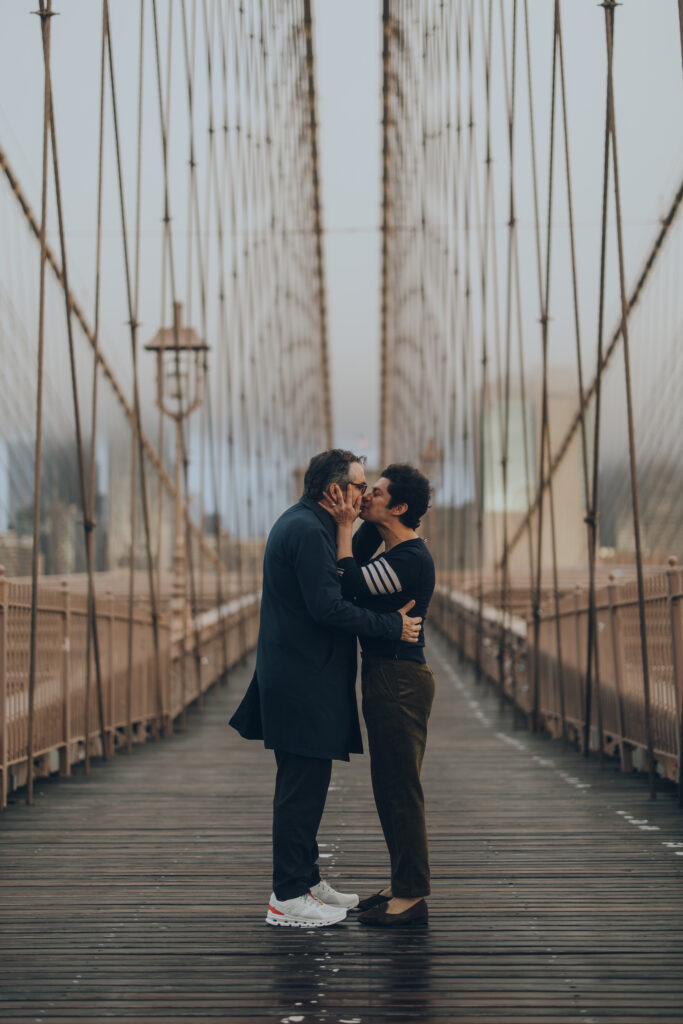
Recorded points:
301,788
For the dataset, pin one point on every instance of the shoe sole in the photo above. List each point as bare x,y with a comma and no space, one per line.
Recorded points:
410,924
300,922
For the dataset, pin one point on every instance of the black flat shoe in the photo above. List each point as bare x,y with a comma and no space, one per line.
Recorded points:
378,916
372,901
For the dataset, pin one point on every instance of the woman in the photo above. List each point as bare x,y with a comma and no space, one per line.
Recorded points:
397,684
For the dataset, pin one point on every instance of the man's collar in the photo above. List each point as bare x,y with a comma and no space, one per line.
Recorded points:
324,517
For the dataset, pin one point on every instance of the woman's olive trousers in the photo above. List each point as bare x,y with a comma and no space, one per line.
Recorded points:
397,700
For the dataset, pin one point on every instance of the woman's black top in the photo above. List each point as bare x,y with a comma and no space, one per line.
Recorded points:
385,583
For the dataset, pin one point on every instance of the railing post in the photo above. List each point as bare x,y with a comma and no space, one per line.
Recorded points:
65,749
533,720
674,595
109,736
4,602
139,681
502,649
166,684
579,678
625,748
518,658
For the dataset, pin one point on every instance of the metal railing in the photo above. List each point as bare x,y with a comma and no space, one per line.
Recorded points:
65,713
499,644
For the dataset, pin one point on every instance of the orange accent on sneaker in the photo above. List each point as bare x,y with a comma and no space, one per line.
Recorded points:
274,911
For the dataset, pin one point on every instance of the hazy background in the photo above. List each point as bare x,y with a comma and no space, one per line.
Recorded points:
649,100
649,107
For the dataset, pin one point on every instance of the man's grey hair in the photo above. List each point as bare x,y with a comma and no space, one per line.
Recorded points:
326,468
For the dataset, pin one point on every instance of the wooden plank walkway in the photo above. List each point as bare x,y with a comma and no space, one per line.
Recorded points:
139,894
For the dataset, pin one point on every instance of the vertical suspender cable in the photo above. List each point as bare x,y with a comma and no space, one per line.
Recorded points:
536,611
384,310
575,297
484,408
325,395
133,322
609,6
545,447
134,439
467,440
510,95
214,470
184,454
45,15
592,511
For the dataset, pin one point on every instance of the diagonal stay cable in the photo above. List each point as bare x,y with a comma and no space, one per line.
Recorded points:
88,524
90,538
636,294
151,453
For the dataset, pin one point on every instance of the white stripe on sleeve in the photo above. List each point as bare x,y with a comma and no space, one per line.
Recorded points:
380,588
368,579
381,567
392,575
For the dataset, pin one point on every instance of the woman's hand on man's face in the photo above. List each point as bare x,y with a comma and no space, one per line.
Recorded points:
344,507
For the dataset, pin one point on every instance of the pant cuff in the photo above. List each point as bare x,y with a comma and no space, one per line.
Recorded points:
290,894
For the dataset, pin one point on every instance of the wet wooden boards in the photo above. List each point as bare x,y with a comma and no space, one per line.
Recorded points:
138,894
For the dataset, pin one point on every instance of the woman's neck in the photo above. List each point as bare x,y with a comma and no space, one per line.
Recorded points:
395,533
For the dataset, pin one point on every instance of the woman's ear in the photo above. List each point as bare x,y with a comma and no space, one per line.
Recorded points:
400,509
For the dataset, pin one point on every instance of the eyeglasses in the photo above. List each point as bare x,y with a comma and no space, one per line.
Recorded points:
363,487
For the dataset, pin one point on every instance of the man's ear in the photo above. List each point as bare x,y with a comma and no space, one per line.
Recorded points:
399,510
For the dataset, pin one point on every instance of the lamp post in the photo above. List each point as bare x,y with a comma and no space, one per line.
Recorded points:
180,380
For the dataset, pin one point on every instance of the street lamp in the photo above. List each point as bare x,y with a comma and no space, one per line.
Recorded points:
180,382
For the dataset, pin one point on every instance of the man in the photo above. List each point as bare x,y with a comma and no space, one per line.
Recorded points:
301,701
397,684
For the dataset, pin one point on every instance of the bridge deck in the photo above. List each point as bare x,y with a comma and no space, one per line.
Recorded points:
140,893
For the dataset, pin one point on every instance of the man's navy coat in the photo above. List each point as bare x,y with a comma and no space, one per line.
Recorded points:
302,698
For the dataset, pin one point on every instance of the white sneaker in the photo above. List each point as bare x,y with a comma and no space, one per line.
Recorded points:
303,912
324,891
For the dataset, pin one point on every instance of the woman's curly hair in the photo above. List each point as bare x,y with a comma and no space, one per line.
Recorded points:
409,485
